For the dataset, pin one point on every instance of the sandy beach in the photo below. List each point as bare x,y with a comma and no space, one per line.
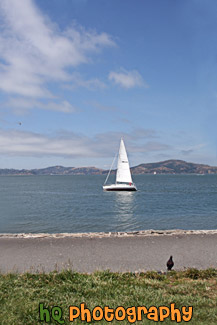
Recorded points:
88,252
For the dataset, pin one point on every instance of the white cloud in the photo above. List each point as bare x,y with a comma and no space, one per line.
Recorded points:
127,79
33,51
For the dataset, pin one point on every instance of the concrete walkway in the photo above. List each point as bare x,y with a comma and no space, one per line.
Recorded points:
140,251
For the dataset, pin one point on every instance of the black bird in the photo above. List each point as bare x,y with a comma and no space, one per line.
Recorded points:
170,263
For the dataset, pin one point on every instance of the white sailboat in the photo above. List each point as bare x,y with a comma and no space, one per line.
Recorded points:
123,176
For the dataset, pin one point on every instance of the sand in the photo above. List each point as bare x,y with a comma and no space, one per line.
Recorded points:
132,251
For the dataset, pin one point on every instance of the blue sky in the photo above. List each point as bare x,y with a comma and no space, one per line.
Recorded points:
76,75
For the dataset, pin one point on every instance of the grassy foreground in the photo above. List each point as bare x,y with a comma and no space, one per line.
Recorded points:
20,294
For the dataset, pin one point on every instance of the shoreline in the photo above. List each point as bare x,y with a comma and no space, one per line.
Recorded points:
139,233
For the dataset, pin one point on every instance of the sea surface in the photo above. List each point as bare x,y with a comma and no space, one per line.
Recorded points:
57,204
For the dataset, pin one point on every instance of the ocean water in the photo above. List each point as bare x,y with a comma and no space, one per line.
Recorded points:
56,204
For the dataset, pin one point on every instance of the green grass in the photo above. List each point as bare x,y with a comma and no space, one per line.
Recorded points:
20,294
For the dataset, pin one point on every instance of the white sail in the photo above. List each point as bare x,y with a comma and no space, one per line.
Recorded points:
123,171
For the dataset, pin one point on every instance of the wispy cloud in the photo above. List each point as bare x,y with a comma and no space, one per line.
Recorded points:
3,122
187,152
155,146
127,79
18,143
69,144
33,51
192,149
103,107
23,105
76,80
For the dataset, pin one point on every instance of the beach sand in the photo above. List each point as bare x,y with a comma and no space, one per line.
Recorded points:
132,251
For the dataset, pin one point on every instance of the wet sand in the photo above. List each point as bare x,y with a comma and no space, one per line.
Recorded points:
134,251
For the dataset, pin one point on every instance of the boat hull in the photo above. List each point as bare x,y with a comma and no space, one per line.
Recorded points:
121,187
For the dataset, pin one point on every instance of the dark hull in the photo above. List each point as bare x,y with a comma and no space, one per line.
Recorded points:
121,189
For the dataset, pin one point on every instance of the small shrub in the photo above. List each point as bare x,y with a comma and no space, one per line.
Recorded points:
192,273
154,275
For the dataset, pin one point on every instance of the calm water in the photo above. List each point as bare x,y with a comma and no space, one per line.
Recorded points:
77,204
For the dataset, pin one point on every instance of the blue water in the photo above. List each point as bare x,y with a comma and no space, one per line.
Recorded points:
56,204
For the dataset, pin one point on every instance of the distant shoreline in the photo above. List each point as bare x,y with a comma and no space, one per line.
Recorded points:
167,167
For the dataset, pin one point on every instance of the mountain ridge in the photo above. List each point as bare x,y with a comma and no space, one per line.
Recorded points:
172,166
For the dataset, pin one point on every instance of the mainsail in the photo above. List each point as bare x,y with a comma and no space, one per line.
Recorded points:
123,171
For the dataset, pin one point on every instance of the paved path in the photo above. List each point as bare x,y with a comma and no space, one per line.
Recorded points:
116,253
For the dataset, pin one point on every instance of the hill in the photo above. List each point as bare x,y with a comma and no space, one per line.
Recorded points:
173,167
54,170
163,167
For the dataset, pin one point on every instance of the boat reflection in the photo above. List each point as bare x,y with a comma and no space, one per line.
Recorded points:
124,210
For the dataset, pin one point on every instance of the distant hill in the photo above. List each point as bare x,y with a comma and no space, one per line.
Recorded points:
163,167
54,170
173,167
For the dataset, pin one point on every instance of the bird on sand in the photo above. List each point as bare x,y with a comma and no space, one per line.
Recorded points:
170,263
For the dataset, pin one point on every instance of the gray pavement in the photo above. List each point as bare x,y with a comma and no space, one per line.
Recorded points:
116,253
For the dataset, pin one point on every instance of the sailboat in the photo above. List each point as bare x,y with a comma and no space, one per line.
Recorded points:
123,176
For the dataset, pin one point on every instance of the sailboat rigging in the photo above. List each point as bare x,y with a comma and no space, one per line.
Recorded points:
123,175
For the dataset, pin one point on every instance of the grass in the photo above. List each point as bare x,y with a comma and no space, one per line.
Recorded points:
20,294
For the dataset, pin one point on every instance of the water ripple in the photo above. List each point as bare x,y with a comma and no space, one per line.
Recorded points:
57,204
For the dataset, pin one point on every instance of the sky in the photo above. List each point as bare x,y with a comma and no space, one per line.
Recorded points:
77,75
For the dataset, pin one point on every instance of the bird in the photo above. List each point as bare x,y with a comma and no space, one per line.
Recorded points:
170,263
